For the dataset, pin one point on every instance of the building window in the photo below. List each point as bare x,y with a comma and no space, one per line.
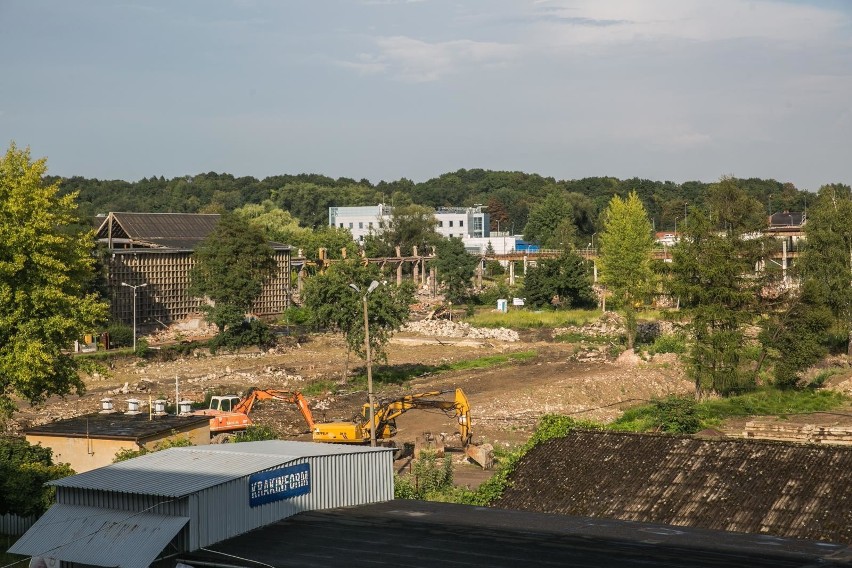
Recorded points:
360,224
451,235
440,223
461,223
341,225
451,224
371,224
350,226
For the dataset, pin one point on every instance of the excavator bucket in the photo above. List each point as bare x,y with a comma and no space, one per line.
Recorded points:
482,455
430,443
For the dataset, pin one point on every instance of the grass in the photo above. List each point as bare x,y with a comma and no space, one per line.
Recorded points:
711,413
527,319
401,374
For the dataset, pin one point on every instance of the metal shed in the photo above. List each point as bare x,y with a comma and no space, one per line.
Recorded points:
182,499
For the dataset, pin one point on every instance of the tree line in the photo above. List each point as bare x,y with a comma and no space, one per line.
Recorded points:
513,199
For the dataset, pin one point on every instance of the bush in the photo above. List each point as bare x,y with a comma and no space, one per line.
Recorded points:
677,415
668,344
120,335
256,433
142,347
24,471
429,477
249,333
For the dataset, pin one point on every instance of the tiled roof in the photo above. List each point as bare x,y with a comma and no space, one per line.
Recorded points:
782,489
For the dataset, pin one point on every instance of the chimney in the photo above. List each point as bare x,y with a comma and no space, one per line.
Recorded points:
106,406
133,406
159,407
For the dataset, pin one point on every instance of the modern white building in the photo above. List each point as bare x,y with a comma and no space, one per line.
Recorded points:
464,222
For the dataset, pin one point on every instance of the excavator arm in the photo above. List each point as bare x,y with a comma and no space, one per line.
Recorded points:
387,412
254,394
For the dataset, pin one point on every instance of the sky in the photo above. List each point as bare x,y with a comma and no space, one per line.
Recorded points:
383,89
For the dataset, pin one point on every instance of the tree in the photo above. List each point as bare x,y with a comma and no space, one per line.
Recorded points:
455,267
626,244
562,282
733,210
551,222
231,266
711,275
335,305
24,471
46,268
409,226
827,258
795,336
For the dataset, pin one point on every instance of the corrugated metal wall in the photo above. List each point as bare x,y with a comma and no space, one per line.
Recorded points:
336,481
223,511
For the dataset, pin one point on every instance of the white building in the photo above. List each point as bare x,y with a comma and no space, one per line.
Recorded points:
464,222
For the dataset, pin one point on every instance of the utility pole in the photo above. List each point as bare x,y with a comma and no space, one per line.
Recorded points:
134,307
370,398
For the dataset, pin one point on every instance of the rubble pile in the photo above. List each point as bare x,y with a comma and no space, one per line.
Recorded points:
446,328
186,330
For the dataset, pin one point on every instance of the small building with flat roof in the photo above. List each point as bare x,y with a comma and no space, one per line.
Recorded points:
91,441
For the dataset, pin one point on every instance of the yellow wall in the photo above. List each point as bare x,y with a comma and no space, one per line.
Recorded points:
84,454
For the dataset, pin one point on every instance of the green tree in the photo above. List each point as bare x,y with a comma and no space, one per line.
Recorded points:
409,226
231,266
562,282
794,337
455,267
24,470
733,210
625,259
712,277
46,268
335,305
551,222
827,258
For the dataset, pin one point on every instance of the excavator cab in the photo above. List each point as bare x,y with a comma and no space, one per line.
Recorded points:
224,403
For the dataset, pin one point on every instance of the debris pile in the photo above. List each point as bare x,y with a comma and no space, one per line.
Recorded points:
446,328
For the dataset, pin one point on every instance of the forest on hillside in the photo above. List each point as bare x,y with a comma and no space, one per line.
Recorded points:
509,196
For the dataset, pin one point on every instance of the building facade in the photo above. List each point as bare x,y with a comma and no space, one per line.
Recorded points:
462,222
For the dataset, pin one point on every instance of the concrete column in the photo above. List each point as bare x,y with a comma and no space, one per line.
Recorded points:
415,268
511,273
594,272
526,263
399,272
480,268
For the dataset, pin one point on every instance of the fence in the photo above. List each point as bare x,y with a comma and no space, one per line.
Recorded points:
14,525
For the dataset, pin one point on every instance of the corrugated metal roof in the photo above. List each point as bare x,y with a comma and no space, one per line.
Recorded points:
100,537
178,472
784,489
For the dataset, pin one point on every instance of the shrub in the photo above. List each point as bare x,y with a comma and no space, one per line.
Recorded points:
677,415
120,335
669,344
429,476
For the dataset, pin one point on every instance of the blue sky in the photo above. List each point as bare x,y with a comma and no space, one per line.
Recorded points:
382,89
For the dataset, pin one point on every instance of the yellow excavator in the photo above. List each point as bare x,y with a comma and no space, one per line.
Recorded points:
386,412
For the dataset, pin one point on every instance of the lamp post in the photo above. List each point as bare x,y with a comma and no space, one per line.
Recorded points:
134,307
373,286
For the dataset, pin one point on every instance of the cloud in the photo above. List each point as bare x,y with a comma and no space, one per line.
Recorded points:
419,61
588,22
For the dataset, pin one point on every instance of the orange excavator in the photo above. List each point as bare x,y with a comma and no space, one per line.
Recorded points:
230,413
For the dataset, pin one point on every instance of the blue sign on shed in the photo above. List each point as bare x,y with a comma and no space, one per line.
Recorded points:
279,484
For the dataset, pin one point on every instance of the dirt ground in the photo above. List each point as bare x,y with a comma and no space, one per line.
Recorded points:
506,400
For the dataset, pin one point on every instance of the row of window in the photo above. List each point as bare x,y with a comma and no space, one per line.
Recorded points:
461,223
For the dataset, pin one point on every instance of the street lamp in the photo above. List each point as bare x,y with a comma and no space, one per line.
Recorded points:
373,286
134,307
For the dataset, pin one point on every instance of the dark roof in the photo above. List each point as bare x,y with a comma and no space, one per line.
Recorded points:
423,534
787,219
776,488
117,426
174,231
183,231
